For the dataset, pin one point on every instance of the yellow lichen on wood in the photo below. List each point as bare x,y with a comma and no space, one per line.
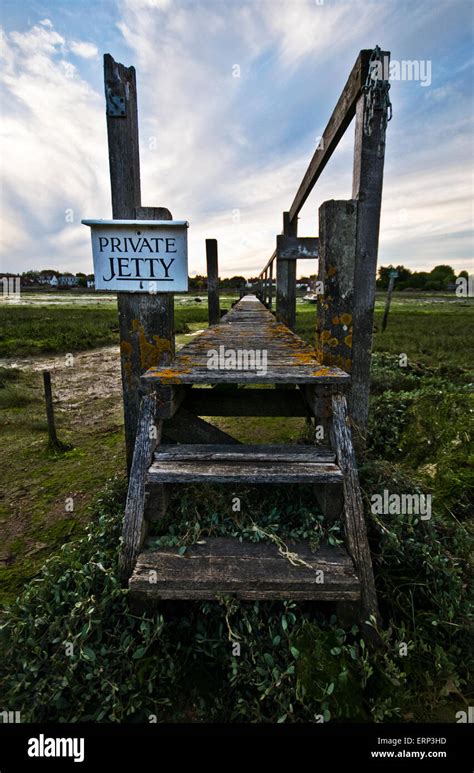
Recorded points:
150,353
322,371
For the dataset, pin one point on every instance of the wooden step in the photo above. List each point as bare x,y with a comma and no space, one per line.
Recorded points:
247,570
195,463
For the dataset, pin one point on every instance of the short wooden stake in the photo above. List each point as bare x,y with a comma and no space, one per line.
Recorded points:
48,396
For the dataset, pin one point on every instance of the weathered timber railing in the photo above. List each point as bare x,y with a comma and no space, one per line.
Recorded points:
348,235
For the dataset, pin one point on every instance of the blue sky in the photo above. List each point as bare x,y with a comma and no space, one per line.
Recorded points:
228,153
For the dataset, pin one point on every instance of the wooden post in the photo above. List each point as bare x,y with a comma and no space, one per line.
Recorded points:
286,280
134,524
145,320
367,189
270,289
48,395
337,250
212,281
354,521
388,301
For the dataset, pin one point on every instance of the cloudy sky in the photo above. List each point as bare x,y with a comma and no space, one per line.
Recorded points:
228,153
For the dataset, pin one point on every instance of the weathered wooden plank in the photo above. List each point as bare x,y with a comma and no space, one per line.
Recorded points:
212,281
340,119
252,402
239,472
337,241
134,525
185,427
244,452
246,570
367,189
354,521
319,374
297,247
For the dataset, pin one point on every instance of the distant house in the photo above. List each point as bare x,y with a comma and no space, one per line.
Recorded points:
53,281
46,279
91,281
67,280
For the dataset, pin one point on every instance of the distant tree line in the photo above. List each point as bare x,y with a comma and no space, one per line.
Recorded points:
39,277
439,278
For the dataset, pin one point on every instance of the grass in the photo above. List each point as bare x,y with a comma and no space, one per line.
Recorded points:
297,662
437,334
47,329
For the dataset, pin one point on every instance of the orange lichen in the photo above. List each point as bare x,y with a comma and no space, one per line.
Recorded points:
332,270
335,320
348,340
150,352
333,342
346,319
325,335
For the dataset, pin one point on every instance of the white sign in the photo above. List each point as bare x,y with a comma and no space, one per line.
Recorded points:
136,256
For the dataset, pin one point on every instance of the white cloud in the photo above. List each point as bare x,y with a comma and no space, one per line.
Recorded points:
83,49
53,153
212,144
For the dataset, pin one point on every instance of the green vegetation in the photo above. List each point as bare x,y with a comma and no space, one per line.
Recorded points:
439,278
47,329
298,662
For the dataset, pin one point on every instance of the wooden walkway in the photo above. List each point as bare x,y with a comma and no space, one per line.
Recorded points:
188,449
248,327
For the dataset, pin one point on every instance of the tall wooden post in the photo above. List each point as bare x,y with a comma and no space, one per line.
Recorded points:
212,281
337,258
145,320
393,275
367,189
286,280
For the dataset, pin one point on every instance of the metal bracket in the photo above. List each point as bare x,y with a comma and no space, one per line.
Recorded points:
115,104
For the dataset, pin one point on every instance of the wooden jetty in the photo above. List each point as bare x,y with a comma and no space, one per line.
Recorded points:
167,394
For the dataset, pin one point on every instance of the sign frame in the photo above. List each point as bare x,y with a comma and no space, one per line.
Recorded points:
140,256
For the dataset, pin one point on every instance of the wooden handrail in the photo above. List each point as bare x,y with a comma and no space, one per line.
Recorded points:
340,119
